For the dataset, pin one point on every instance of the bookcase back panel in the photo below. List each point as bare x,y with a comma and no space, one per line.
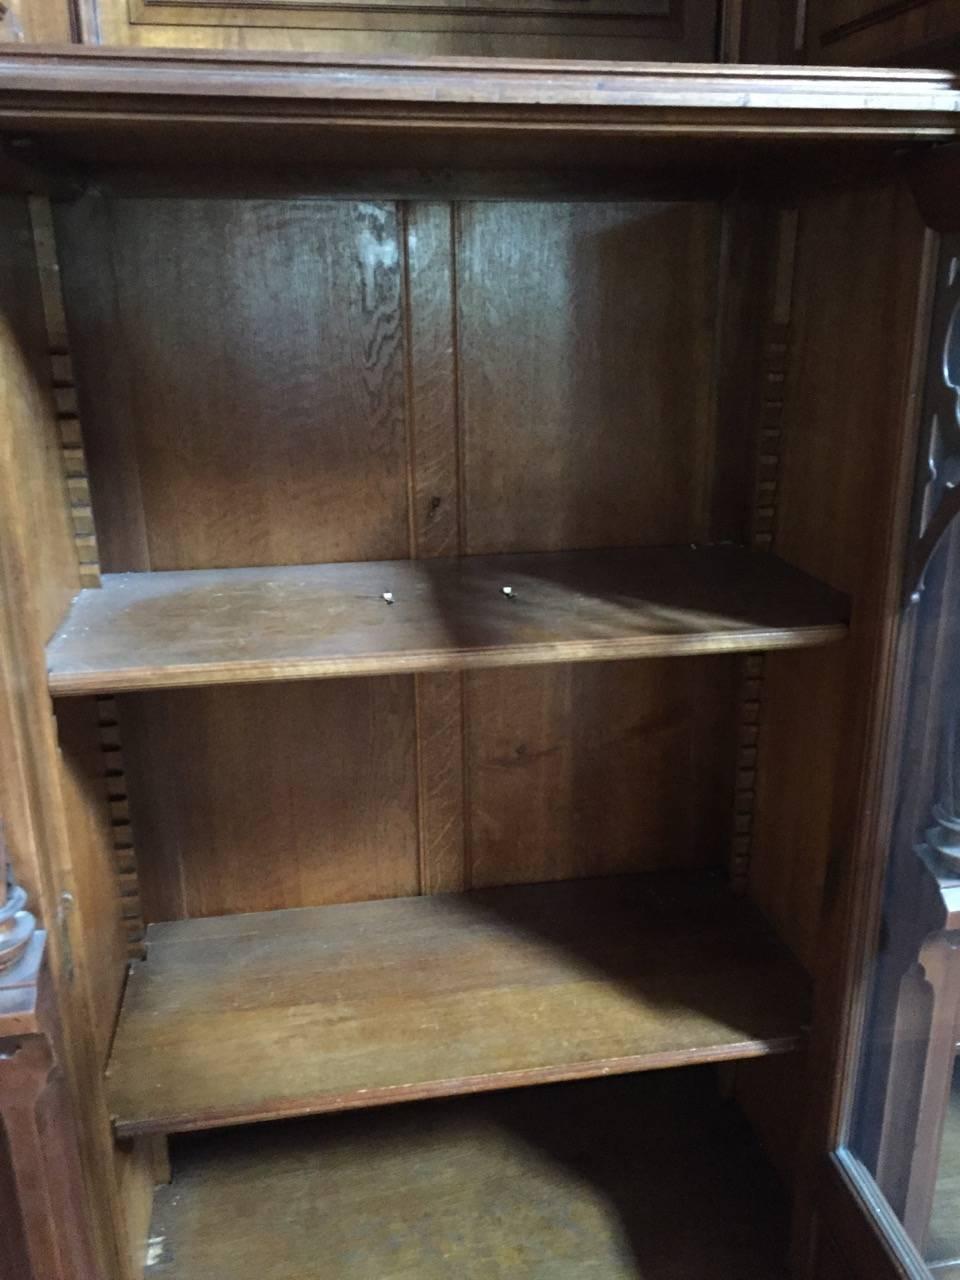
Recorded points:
268,796
598,769
242,380
292,381
270,382
264,796
586,348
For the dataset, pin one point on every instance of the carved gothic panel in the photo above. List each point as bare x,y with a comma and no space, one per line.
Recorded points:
937,500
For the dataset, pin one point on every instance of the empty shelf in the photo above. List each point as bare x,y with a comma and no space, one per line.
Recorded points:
253,1017
167,630
612,1180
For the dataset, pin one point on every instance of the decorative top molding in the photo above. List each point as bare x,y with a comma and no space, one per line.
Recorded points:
57,86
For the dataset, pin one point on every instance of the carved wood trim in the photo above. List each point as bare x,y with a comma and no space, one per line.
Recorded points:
88,558
937,494
125,856
65,395
763,528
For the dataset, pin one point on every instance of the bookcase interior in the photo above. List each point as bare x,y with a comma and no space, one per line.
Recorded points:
455,690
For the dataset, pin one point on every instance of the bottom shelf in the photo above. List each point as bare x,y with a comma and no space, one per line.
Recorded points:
286,1013
649,1177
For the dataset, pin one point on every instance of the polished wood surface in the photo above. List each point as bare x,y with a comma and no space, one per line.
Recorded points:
613,446
597,769
849,344
170,630
281,437
290,795
581,1179
503,773
279,795
252,1017
368,379
449,779
131,89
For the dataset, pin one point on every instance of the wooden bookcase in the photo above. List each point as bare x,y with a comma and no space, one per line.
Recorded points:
451,517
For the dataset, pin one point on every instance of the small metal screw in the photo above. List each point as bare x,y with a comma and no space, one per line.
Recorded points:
508,592
388,596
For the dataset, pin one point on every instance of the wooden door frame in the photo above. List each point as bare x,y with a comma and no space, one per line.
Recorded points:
863,1226
837,1195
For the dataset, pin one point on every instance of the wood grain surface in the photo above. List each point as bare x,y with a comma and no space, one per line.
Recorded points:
136,87
592,1179
476,285
597,769
586,334
851,339
271,796
256,413
252,1017
170,630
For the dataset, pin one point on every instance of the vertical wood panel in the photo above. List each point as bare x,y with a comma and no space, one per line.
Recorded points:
258,797
587,347
435,528
597,770
258,409
859,263
37,576
33,455
433,411
322,380
586,339
242,367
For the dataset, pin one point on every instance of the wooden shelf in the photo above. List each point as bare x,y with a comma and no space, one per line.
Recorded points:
611,1179
167,630
253,1017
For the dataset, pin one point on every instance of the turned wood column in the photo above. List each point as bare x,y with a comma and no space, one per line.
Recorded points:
45,1226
